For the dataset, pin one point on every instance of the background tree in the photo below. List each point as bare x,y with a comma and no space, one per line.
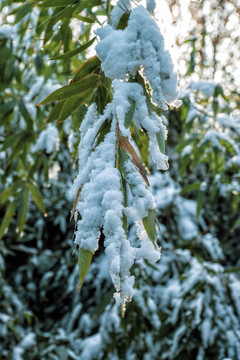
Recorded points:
187,304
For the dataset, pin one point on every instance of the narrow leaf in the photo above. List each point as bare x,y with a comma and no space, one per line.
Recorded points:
71,104
56,111
161,141
85,19
74,52
191,187
7,218
55,3
84,262
86,68
149,225
22,210
130,113
36,195
22,12
89,82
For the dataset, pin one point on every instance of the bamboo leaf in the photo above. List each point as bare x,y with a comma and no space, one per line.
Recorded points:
123,22
89,82
37,196
7,218
71,104
22,11
130,113
191,187
55,3
86,68
56,111
161,141
74,52
84,262
22,210
149,225
200,201
85,19
10,191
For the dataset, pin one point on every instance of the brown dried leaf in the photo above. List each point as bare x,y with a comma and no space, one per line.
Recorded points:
75,203
127,147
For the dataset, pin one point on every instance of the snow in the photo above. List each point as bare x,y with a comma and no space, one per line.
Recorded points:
212,245
91,347
228,122
140,44
206,88
151,4
48,140
118,11
152,123
6,31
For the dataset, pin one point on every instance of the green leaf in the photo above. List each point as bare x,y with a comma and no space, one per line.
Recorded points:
26,116
36,195
89,4
51,22
86,68
130,113
191,187
84,262
10,191
35,167
22,11
6,108
21,145
45,168
236,224
71,104
104,129
56,111
12,140
89,82
85,19
57,15
55,3
149,223
123,22
200,201
22,210
74,52
7,218
161,141
124,192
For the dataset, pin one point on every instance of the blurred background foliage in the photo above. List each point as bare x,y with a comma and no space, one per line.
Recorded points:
187,306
